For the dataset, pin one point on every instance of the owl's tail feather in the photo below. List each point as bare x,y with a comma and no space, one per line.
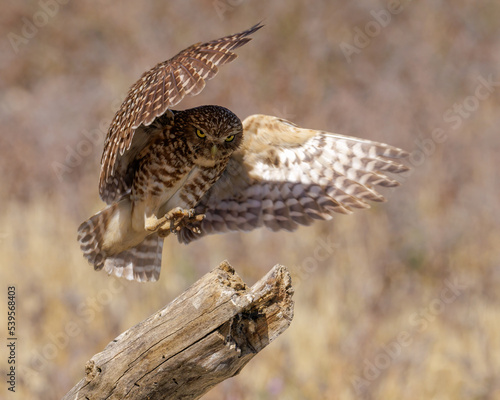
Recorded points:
91,236
141,262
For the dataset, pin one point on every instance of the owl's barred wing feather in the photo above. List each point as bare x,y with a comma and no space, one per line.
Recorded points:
160,88
169,82
285,176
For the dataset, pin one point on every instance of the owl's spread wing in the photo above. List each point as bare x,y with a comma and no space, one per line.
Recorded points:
160,88
285,176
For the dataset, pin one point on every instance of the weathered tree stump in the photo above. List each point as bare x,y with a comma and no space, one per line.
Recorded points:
203,337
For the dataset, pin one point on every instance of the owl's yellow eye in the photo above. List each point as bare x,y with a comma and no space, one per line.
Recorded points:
200,134
230,138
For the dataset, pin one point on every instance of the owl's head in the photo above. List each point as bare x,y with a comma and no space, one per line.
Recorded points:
212,133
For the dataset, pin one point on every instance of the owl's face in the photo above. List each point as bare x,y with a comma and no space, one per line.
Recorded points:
212,133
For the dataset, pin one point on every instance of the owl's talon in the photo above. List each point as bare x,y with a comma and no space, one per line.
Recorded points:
174,221
200,217
179,214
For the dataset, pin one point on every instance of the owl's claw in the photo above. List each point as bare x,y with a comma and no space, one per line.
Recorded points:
195,229
174,221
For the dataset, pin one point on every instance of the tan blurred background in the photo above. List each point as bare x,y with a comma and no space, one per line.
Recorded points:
401,301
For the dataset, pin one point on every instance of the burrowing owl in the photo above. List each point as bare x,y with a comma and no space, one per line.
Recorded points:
202,171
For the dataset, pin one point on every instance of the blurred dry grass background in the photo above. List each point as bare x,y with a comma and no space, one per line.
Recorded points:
404,305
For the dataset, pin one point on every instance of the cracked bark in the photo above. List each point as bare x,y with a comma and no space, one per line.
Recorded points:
204,336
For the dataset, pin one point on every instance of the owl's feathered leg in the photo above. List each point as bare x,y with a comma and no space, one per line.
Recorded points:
174,221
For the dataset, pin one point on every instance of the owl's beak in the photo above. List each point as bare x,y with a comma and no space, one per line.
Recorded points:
213,151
